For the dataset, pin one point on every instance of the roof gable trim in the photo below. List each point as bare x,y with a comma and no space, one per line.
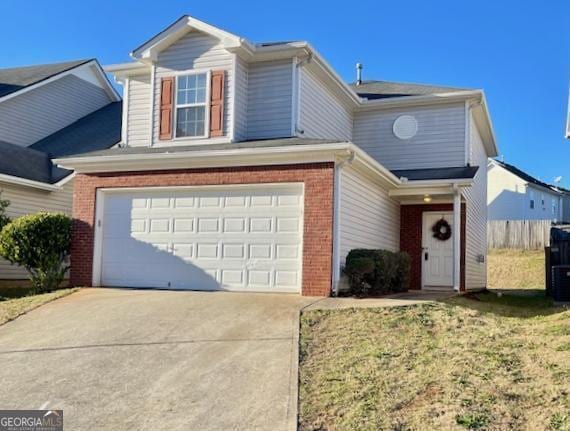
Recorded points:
91,64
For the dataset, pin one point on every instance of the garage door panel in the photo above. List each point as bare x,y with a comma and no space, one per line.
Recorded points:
235,238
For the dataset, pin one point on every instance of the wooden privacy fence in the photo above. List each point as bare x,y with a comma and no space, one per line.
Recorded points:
519,234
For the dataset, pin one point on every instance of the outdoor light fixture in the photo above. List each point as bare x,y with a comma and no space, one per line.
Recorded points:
427,199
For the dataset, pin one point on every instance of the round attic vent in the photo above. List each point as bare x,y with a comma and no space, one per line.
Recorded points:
405,127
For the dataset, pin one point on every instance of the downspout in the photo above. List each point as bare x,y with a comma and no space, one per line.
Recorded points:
296,114
336,273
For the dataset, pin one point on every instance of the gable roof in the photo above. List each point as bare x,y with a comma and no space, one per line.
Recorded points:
96,131
523,175
18,78
372,90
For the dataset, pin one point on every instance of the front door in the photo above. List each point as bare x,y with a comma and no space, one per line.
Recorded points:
437,253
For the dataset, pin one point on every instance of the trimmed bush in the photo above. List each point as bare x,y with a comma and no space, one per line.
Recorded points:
40,243
377,272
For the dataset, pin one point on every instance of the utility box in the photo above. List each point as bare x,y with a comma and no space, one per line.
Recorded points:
560,288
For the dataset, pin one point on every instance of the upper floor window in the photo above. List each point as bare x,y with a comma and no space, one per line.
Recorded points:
553,207
191,96
531,200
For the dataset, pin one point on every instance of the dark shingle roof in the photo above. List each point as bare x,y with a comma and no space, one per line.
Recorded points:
384,89
463,172
523,175
17,78
265,143
23,162
96,131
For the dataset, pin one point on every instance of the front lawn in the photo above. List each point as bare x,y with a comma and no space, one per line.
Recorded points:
515,269
16,301
480,362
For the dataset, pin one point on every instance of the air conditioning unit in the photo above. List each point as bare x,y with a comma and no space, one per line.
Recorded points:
561,283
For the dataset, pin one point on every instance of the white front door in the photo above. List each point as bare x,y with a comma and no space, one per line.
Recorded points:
246,238
437,255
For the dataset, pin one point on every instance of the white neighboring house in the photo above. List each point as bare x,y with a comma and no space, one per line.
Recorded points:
512,194
47,111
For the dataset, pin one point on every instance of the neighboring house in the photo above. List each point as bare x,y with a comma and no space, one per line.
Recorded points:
512,194
255,167
47,111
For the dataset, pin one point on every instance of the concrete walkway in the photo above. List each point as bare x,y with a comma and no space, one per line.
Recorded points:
411,297
143,359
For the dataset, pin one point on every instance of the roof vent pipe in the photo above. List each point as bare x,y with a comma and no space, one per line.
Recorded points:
358,73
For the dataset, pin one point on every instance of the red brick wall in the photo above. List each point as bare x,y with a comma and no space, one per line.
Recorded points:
318,222
411,238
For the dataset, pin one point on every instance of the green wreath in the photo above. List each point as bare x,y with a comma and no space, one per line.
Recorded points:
441,230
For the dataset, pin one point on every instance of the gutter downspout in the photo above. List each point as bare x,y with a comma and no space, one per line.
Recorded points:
336,273
296,115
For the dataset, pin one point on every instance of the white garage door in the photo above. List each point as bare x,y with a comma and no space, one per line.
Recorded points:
246,238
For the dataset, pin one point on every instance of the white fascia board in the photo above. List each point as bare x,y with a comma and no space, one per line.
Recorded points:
124,70
433,189
9,179
429,99
292,154
185,24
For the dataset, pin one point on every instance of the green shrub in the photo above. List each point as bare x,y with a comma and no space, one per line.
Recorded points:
377,271
4,219
40,243
359,273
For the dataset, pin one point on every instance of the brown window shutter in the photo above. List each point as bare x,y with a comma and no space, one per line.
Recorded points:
217,103
166,104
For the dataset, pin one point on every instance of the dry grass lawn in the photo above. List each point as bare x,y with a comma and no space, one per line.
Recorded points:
479,362
10,307
515,269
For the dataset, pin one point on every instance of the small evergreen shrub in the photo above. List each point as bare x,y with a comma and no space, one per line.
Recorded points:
40,243
4,219
377,272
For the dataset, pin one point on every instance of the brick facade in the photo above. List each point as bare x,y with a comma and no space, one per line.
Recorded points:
318,211
411,238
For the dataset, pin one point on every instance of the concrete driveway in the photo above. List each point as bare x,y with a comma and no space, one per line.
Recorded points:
142,359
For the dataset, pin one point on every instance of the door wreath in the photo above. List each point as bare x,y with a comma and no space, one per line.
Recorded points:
441,230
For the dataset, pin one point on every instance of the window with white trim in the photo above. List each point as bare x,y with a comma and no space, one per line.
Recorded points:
191,96
531,193
553,207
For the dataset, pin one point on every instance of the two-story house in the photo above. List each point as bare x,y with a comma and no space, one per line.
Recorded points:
47,111
513,194
255,167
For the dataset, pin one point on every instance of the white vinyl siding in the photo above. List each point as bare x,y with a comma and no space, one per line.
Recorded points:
138,111
240,115
31,116
476,223
269,104
199,52
322,114
25,200
439,142
369,218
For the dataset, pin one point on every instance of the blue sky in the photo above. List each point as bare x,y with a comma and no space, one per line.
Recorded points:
517,51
